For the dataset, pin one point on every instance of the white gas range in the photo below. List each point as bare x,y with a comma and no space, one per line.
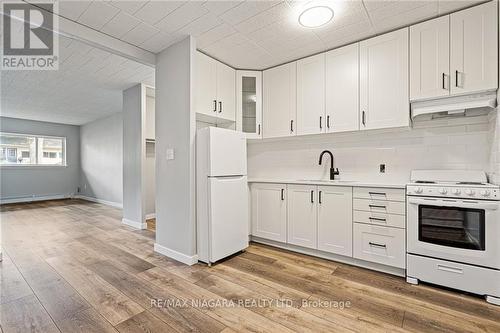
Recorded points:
453,231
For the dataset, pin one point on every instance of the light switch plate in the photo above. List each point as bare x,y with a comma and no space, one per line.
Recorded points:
170,154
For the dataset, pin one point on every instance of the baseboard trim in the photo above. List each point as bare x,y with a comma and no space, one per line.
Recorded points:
134,224
35,198
185,259
104,202
150,216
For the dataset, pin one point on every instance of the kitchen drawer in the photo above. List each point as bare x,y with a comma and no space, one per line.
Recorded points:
382,219
380,206
383,245
377,193
469,278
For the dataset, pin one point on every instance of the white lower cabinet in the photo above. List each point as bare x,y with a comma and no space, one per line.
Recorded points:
383,245
268,213
302,215
357,222
335,219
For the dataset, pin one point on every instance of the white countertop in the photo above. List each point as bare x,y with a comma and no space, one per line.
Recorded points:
329,183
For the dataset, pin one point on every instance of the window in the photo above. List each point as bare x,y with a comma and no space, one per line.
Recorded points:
21,149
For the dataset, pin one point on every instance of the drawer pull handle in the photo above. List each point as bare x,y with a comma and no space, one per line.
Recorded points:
377,193
377,206
450,269
377,219
378,245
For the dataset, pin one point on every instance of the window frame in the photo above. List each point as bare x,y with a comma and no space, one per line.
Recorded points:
64,162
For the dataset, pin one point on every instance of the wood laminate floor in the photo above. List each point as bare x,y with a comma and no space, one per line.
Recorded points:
70,266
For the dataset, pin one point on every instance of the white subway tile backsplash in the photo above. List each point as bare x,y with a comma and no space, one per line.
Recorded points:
458,143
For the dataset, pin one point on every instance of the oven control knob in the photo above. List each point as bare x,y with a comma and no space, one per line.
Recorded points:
485,193
419,190
456,191
442,191
469,192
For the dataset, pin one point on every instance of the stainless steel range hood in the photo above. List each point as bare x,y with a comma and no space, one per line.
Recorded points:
468,105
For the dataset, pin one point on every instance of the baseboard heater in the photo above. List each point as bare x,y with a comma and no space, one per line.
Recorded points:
34,197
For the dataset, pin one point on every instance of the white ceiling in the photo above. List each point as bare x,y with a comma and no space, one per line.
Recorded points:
87,86
244,34
250,34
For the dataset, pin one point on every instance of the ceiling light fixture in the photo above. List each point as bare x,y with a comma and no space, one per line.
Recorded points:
315,17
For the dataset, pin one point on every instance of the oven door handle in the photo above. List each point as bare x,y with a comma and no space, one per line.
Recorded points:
455,203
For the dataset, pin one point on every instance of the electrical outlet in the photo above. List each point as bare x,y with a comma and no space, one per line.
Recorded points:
382,168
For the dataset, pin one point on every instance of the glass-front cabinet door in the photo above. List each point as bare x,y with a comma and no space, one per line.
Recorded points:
249,103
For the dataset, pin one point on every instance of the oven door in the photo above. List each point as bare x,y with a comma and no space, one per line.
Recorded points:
465,231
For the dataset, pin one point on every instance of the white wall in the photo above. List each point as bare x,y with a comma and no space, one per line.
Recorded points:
133,153
455,143
42,181
149,163
175,129
101,153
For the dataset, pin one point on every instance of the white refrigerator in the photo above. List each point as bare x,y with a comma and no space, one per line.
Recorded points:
221,193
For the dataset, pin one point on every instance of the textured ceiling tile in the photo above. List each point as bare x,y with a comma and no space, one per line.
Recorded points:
182,16
214,35
219,7
246,10
98,14
140,34
73,9
119,25
129,6
161,41
154,11
201,25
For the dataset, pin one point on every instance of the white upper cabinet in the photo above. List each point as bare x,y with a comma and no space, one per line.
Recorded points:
430,59
205,88
311,95
215,90
342,89
474,49
302,215
335,219
384,100
269,211
279,98
226,92
249,103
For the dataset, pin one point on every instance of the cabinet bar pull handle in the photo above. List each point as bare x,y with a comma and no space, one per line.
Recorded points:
320,122
443,77
363,120
215,105
282,194
377,206
328,121
456,79
291,126
259,130
312,196
376,193
220,106
378,245
377,219
319,197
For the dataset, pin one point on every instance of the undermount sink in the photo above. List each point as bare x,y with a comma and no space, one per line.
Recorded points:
328,181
